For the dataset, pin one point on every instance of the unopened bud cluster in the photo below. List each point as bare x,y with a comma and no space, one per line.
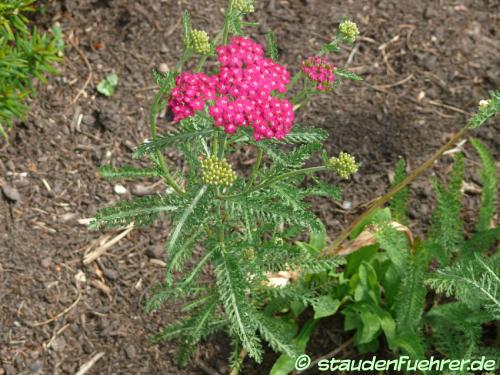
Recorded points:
217,172
350,30
243,6
344,165
198,42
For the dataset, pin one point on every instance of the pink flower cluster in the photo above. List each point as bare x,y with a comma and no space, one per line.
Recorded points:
190,93
319,70
241,92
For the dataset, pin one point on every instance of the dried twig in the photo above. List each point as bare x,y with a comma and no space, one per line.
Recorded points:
450,107
401,82
64,312
89,364
242,356
90,257
89,69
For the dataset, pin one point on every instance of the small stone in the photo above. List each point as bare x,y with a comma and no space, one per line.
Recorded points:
120,189
163,68
46,262
36,367
110,274
80,277
11,193
10,166
88,120
59,344
155,251
68,216
347,205
141,190
131,352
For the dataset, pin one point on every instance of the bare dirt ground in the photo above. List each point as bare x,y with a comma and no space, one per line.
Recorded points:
426,65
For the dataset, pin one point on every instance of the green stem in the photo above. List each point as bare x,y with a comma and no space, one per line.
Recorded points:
255,169
229,10
186,54
200,64
152,126
215,143
277,178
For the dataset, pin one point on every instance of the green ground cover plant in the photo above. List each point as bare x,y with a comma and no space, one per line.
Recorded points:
25,54
247,228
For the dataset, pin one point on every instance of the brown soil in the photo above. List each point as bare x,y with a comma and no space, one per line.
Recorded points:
424,63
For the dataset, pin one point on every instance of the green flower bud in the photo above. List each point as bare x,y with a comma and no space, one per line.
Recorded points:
344,165
349,29
217,172
198,42
249,253
243,6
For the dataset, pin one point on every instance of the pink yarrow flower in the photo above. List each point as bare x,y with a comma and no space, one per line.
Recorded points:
241,92
319,70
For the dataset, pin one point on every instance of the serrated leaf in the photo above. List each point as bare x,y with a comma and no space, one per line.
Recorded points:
399,203
272,48
142,211
126,172
346,74
190,129
304,135
489,181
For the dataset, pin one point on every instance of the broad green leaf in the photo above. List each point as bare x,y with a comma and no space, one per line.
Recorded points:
370,325
325,306
284,365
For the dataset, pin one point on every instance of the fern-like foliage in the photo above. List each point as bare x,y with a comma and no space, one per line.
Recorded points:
410,307
489,179
456,330
240,312
474,282
304,135
446,230
272,48
191,128
141,211
399,203
486,112
126,172
192,214
270,211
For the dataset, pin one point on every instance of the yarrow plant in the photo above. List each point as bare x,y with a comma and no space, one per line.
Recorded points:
241,228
